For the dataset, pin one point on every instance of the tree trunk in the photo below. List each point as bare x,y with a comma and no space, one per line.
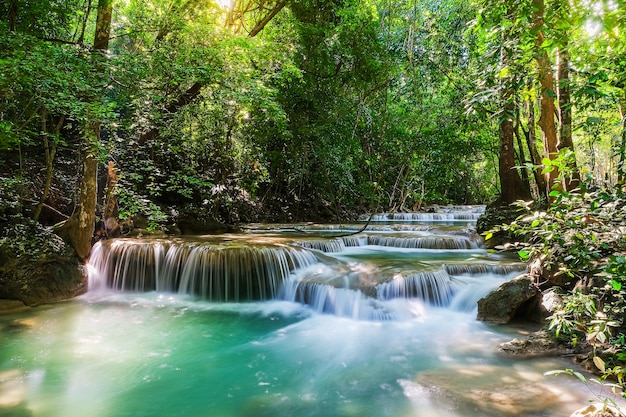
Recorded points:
565,112
531,141
621,152
50,151
546,79
79,228
522,154
511,185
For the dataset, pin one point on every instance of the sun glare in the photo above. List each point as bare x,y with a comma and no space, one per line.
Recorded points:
224,4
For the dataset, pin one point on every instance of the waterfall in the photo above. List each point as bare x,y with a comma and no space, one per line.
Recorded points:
438,214
435,288
216,273
428,242
343,302
339,244
484,268
383,275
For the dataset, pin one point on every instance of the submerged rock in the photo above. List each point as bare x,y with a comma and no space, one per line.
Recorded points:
493,390
598,410
540,343
501,305
12,393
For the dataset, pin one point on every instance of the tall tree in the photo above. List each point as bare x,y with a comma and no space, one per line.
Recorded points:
512,188
547,121
79,228
564,89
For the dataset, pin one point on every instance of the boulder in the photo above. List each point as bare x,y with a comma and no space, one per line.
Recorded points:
36,265
501,305
543,305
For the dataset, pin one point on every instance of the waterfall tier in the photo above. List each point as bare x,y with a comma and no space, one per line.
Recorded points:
215,273
357,276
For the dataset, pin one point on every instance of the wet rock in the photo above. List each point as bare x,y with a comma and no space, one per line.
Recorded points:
540,343
10,305
598,410
543,305
501,305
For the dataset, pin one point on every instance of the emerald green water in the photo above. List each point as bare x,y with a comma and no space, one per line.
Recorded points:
114,353
155,355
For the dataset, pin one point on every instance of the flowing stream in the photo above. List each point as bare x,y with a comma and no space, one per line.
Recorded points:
281,321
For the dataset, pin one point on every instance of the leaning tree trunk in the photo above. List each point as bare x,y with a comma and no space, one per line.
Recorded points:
79,228
531,141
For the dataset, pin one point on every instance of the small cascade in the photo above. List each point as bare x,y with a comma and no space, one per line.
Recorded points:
216,273
328,246
335,245
484,268
435,288
428,242
343,302
339,244
435,214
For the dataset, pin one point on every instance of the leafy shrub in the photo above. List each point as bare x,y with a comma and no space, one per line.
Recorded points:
581,238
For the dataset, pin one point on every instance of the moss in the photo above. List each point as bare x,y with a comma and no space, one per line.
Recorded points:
36,265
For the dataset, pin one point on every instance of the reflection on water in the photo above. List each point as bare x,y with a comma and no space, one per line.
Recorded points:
369,330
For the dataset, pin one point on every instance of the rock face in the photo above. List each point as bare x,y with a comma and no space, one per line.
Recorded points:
500,306
37,266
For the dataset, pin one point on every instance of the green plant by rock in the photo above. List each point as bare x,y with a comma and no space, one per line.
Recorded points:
579,244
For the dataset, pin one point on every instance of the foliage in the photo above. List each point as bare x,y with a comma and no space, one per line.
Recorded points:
24,238
575,235
132,205
334,107
581,239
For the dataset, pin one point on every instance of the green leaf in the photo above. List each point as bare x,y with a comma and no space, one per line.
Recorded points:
535,223
524,254
488,236
616,285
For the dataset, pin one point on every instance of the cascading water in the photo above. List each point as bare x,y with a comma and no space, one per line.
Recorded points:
281,322
212,272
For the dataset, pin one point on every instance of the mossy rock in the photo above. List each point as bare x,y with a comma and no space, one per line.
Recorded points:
36,265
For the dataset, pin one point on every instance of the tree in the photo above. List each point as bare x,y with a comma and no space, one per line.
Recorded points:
545,76
79,228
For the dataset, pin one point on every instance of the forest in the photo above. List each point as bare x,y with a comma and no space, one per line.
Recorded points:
172,117
302,110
